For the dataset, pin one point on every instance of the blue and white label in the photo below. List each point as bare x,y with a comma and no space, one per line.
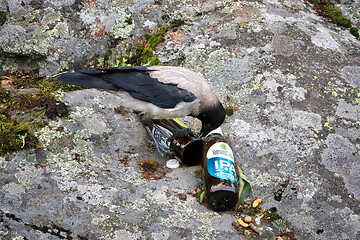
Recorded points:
220,162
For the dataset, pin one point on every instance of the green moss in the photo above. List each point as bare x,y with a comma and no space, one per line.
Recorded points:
154,61
157,38
49,87
272,214
2,17
144,53
4,95
15,136
355,31
28,109
229,111
329,10
335,15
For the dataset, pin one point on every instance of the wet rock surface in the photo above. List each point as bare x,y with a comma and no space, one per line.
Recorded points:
292,76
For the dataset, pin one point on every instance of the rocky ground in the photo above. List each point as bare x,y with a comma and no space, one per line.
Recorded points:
292,76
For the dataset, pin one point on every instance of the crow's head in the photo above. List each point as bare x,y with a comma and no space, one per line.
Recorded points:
211,118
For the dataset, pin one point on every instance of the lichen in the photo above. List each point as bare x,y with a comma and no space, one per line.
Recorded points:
218,58
181,215
42,39
230,6
123,26
49,134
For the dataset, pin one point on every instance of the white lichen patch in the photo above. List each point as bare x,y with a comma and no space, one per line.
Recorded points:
131,176
254,133
348,111
42,38
18,238
195,55
80,159
270,81
263,179
122,29
29,175
81,112
306,120
3,163
323,38
113,19
49,134
230,6
279,136
185,11
91,193
218,58
181,215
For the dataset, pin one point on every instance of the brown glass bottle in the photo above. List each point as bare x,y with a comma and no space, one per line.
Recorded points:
219,174
186,148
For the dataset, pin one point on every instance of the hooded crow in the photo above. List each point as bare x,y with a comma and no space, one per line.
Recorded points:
157,92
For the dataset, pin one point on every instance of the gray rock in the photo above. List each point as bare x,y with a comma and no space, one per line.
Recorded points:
291,76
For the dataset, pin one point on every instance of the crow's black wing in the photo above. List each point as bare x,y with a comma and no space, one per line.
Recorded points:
136,80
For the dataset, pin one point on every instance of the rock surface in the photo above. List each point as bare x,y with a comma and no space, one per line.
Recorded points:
293,77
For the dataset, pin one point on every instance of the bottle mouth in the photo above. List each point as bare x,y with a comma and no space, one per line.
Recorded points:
215,131
192,152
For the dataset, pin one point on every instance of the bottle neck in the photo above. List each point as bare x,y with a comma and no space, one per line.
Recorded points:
216,131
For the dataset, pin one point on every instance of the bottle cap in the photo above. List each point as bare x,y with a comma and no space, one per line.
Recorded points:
172,163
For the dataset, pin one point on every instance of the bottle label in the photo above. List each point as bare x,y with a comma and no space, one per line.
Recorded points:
162,136
220,162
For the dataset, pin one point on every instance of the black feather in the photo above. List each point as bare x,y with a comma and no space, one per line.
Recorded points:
133,79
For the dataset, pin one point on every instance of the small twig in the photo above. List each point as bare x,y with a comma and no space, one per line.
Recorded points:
23,140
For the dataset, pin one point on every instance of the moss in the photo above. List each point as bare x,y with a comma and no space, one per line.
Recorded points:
177,23
272,214
154,61
4,95
329,10
28,110
2,17
49,87
144,53
355,31
157,38
15,136
333,13
229,111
